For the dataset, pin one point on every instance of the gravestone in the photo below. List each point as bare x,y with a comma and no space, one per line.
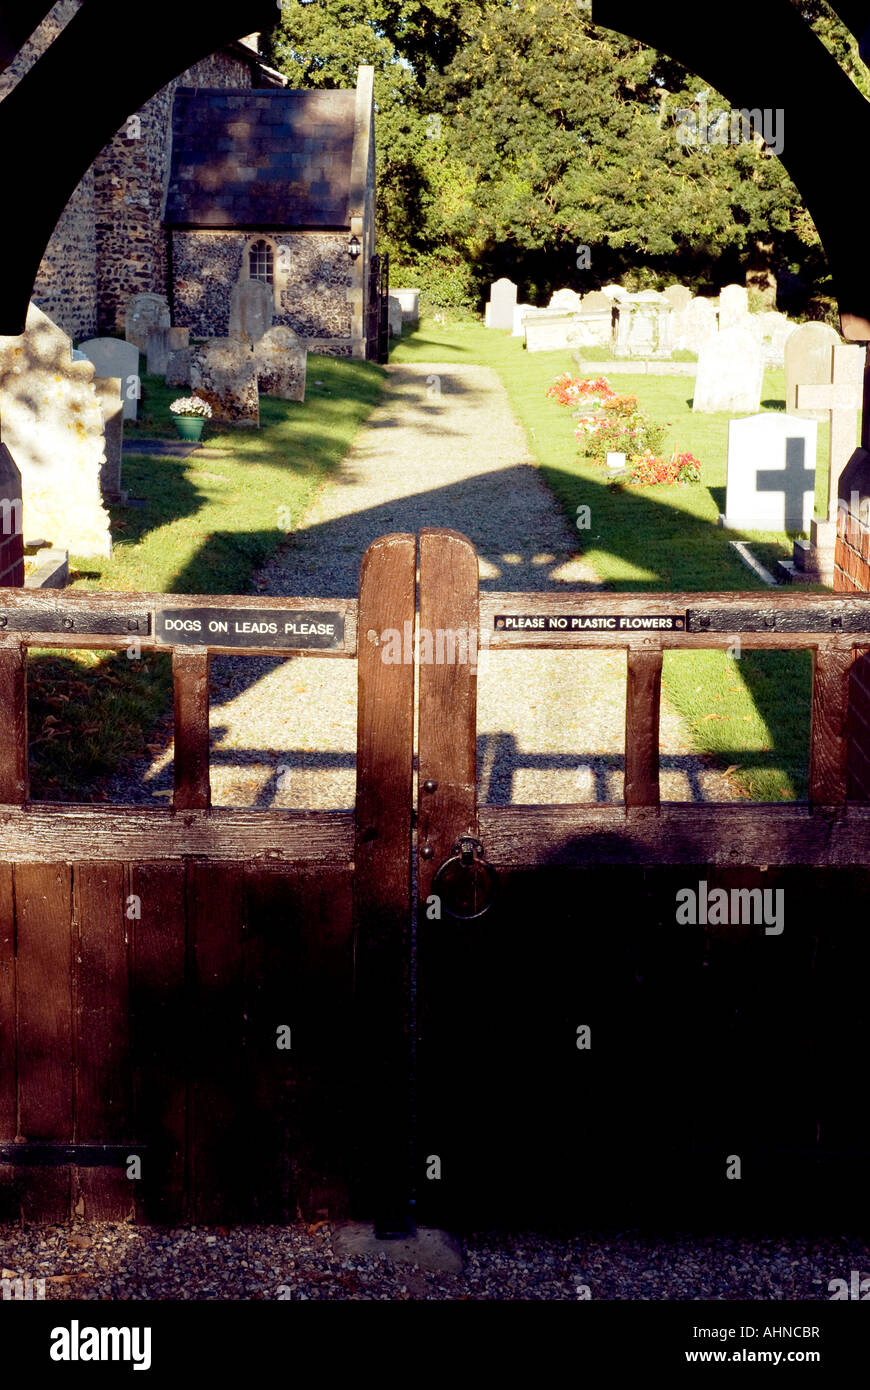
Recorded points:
394,312
157,351
252,308
224,373
109,391
178,368
730,373
281,364
598,302
775,329
520,311
643,326
678,297
614,291
733,305
548,330
567,300
410,302
179,339
11,523
114,357
144,312
694,326
771,473
808,363
502,299
53,427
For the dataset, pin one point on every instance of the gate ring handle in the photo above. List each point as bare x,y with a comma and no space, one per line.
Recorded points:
467,851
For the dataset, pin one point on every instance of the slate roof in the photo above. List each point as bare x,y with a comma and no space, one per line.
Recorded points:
260,158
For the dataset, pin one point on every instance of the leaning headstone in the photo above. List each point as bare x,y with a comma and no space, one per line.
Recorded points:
410,302
730,372
733,305
502,298
281,364
109,391
771,473
53,427
252,307
678,297
224,373
157,351
568,300
808,362
394,314
178,368
114,357
144,312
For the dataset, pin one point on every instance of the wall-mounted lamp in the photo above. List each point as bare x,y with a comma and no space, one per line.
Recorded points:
353,248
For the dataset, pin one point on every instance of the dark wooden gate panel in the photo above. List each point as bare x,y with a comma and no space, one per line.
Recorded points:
706,1041
150,957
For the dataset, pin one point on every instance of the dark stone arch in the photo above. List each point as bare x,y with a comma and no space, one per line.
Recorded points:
105,64
763,55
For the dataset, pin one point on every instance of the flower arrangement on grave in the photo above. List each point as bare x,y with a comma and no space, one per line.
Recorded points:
620,427
648,470
191,408
588,392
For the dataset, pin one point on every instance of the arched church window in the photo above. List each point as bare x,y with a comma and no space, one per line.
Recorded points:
261,262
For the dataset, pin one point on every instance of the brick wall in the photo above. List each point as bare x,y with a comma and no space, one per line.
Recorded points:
852,576
852,554
11,537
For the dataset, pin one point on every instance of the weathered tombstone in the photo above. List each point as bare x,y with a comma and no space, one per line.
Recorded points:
179,339
252,307
694,326
598,302
109,391
281,364
520,311
775,329
53,427
410,302
144,312
502,298
771,473
114,357
157,351
548,331
224,373
678,297
567,300
11,523
614,291
394,313
733,305
643,326
178,368
808,363
730,373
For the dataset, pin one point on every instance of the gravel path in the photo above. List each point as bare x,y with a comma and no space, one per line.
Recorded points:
442,448
106,1261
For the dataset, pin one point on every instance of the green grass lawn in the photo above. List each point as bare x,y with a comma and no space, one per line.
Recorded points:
207,524
752,713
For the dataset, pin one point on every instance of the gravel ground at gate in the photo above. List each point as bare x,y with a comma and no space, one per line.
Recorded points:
441,449
117,1261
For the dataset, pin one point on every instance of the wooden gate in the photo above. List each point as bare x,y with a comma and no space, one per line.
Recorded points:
706,1043
202,1010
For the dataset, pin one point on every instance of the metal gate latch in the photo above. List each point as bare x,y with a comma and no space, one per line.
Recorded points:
467,880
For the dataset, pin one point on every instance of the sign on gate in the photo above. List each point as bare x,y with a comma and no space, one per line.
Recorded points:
250,627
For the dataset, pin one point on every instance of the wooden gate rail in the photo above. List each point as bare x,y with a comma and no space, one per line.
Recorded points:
646,625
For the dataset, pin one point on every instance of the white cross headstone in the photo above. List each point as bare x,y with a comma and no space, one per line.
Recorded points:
771,473
841,400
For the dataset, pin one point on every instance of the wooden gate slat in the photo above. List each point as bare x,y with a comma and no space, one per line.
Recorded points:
14,783
45,1037
159,1037
642,704
219,1178
448,701
382,888
103,1109
829,744
190,671
8,1088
